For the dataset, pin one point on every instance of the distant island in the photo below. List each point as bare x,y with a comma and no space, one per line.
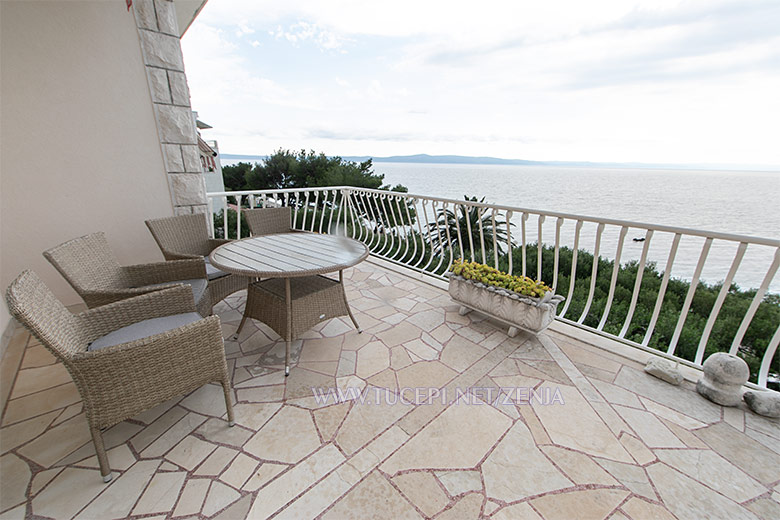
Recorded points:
463,159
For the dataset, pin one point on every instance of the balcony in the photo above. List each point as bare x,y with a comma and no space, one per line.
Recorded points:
624,296
427,414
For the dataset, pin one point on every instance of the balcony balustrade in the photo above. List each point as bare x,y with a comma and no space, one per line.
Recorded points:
425,234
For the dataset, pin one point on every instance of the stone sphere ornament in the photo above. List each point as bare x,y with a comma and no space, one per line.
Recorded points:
724,375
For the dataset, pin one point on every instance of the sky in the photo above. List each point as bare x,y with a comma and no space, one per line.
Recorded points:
690,82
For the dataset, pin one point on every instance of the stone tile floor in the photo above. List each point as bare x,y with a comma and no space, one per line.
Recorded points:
570,431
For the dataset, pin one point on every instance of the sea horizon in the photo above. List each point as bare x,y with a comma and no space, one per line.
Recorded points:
721,201
498,161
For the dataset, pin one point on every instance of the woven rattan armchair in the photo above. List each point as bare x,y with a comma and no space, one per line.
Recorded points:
119,368
187,237
266,221
88,264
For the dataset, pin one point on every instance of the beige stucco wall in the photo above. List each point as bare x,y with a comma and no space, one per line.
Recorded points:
80,150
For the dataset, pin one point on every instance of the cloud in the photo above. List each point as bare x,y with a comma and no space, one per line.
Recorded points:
760,15
362,135
221,79
700,43
664,68
654,81
645,45
244,28
368,134
302,32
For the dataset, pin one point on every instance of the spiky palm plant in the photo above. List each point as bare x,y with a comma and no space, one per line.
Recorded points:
450,231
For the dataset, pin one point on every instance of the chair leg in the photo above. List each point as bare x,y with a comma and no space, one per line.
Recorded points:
287,358
100,450
354,321
240,326
288,334
247,305
228,401
346,303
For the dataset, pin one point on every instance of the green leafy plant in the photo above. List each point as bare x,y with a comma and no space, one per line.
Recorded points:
491,276
454,231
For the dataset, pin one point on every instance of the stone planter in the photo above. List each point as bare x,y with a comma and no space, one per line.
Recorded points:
518,311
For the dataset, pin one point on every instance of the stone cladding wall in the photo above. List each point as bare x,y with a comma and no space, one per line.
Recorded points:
161,48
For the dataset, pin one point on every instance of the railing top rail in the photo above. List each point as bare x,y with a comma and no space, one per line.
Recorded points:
283,190
515,209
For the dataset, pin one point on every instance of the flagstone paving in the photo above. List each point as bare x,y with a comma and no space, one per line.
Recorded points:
427,414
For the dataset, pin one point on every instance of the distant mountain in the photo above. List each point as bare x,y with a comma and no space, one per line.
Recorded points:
424,158
419,159
463,159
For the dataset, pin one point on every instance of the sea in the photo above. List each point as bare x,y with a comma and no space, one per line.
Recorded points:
737,202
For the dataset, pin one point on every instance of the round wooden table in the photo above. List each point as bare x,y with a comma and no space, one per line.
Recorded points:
292,295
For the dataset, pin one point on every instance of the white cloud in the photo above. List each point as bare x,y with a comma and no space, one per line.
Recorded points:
244,28
613,80
221,83
302,32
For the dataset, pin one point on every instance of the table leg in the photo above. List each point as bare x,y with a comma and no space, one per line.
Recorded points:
288,335
349,310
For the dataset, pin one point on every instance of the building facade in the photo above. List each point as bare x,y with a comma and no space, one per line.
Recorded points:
97,132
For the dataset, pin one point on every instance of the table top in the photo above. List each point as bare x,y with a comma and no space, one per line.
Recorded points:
287,255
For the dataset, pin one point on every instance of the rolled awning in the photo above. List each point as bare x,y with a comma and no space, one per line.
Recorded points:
207,155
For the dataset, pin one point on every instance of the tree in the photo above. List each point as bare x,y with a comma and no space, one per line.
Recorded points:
446,229
235,176
286,169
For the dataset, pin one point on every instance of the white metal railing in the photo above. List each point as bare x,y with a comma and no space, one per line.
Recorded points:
426,233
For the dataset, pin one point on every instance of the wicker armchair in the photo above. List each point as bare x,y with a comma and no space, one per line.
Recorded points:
187,237
89,266
127,356
266,221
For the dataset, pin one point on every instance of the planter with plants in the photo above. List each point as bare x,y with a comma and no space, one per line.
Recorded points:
518,301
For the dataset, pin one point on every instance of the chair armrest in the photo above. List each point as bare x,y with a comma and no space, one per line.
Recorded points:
172,255
156,304
216,242
99,298
161,272
121,381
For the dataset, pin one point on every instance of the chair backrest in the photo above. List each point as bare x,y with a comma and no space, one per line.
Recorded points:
266,221
88,264
31,302
181,235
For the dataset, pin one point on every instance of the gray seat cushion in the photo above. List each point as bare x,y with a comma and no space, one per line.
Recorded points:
198,286
144,329
212,272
